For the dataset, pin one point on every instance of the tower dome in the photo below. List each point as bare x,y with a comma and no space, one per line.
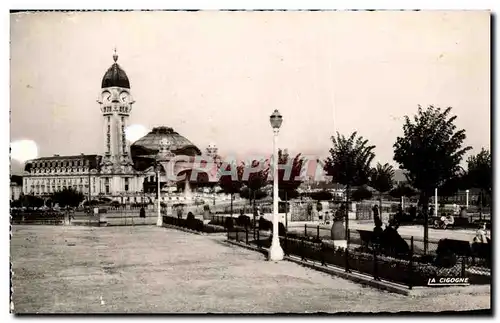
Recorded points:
115,76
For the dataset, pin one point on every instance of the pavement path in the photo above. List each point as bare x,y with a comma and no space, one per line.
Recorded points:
147,269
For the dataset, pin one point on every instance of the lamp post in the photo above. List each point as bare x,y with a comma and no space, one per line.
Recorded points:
164,154
435,202
275,252
159,220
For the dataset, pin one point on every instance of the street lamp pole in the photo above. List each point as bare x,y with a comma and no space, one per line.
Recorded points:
159,221
275,252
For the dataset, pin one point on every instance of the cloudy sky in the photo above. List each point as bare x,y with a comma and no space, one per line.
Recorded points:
217,76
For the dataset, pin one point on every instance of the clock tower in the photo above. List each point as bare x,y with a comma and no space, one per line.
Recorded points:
115,101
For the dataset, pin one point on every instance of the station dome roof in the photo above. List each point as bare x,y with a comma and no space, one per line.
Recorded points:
145,150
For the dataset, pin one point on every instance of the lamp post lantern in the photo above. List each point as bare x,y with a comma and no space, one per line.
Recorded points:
275,252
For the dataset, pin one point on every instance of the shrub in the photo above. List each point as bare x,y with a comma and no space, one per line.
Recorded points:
446,260
196,225
243,220
206,207
190,217
228,223
265,224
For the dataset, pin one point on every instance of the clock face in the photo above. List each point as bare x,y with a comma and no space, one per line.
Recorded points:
106,97
124,96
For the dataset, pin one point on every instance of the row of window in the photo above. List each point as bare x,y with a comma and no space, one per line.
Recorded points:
53,185
63,163
58,180
59,170
40,189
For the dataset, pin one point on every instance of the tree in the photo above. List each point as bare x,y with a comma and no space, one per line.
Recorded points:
361,193
289,178
479,175
228,183
451,186
256,180
430,150
402,190
321,195
349,164
382,179
30,201
68,197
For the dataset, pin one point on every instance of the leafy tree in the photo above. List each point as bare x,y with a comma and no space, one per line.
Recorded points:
228,183
349,164
451,186
67,197
256,180
16,203
382,179
321,196
361,193
289,178
479,175
30,201
431,151
402,190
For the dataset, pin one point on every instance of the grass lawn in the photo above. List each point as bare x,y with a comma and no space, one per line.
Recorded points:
144,269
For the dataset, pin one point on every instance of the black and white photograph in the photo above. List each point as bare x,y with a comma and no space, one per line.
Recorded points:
251,162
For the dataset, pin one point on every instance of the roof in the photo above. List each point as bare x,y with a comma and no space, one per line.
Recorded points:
94,160
115,76
145,150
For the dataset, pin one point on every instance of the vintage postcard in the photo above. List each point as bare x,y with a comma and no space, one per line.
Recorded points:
250,162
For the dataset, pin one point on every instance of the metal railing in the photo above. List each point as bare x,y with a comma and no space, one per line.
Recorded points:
374,256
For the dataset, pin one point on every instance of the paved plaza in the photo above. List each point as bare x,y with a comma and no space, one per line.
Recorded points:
146,269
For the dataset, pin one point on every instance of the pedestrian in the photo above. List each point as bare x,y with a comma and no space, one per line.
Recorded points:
327,218
413,212
481,235
463,212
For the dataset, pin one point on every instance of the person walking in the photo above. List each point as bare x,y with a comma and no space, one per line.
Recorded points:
481,235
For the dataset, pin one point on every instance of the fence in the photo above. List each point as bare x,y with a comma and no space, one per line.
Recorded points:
380,258
51,218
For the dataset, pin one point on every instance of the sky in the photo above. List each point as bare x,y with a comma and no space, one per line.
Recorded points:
217,76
